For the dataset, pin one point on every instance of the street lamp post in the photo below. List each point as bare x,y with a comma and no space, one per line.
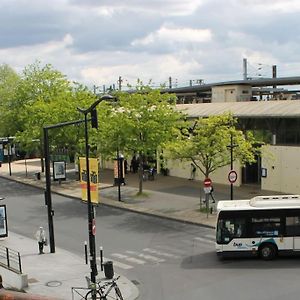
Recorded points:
231,166
231,146
91,214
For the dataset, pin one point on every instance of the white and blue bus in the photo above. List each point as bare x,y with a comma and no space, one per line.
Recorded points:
263,226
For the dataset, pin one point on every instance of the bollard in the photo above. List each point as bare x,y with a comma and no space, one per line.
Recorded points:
101,258
85,251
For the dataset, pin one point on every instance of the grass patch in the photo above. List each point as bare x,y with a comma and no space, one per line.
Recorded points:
203,209
141,195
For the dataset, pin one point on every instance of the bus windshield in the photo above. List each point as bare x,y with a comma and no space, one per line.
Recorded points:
227,229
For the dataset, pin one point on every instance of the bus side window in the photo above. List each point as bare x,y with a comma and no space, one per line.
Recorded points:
293,226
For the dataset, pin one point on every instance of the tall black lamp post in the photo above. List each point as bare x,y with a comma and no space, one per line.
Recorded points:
231,147
91,215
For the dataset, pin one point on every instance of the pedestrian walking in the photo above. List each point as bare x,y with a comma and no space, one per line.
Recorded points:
193,172
211,194
41,239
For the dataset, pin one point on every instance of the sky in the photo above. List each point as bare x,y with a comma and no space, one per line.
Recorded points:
96,41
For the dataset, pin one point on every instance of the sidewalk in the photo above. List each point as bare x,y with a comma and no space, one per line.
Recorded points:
168,197
54,274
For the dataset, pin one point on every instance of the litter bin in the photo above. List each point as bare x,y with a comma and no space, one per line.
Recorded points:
38,175
108,269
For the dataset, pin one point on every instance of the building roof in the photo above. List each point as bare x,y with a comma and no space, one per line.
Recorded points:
295,80
249,109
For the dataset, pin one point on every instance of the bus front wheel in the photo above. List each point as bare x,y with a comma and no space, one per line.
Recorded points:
267,251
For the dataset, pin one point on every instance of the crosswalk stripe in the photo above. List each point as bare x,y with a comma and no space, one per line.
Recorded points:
145,256
210,236
173,249
157,252
203,240
127,258
118,264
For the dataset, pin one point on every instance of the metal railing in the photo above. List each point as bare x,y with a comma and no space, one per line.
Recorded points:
10,259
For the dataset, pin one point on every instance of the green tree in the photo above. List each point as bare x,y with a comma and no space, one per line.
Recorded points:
46,97
138,123
9,81
206,141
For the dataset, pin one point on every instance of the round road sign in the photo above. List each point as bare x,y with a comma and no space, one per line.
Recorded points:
232,176
207,182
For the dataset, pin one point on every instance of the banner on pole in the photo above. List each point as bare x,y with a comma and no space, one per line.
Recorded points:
94,180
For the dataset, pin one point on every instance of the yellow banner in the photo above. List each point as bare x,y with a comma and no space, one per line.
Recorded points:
94,180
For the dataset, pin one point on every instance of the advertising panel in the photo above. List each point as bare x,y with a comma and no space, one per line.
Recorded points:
94,180
59,170
3,221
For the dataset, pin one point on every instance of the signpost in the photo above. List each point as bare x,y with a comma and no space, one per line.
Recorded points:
232,177
207,189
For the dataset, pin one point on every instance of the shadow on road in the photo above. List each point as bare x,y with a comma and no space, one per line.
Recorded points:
209,260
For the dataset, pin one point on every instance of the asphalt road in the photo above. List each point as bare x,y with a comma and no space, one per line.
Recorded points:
167,260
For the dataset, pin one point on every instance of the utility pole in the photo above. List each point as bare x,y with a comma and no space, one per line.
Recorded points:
231,147
120,83
91,210
170,82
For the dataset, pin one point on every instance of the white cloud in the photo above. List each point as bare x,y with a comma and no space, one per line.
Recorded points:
280,6
175,35
157,7
95,42
157,69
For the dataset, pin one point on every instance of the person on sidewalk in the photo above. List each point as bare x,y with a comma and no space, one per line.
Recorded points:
211,194
193,172
41,239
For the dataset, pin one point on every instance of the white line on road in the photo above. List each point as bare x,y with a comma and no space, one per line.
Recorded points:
172,249
203,240
118,264
127,258
210,236
157,252
145,256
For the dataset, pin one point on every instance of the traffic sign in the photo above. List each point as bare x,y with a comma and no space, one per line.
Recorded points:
232,176
207,182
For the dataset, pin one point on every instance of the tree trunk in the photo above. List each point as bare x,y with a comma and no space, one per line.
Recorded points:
140,173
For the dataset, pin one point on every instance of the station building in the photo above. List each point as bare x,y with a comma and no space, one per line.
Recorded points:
259,105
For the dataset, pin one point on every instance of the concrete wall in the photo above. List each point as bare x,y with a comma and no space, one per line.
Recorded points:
283,169
13,280
231,93
183,170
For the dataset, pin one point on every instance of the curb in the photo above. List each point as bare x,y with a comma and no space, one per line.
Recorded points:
161,216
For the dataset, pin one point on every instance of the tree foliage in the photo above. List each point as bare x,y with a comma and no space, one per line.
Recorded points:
9,81
207,141
137,123
43,96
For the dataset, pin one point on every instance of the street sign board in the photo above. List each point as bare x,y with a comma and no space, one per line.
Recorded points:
232,176
207,182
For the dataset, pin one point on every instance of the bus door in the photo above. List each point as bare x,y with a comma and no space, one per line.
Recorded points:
296,243
293,231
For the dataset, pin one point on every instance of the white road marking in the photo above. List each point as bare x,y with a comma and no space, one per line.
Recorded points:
117,264
173,249
127,258
210,236
157,252
203,240
145,256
